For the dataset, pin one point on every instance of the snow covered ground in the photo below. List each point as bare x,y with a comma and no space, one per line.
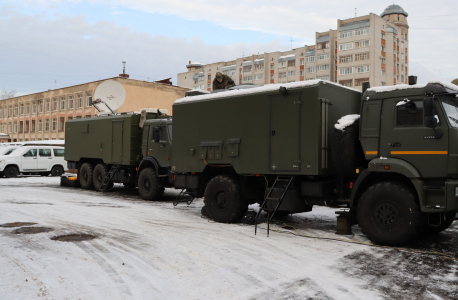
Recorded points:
152,250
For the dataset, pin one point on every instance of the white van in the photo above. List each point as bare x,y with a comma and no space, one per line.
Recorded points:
42,160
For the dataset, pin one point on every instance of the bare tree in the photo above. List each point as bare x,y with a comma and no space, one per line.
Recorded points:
4,94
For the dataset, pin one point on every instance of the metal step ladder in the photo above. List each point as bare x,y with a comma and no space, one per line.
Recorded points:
110,174
280,187
184,196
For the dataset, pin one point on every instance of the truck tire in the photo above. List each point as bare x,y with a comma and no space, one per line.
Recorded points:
347,153
224,200
99,175
85,176
148,185
446,223
57,171
11,172
388,214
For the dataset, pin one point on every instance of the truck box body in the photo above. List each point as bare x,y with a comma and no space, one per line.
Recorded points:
115,139
261,130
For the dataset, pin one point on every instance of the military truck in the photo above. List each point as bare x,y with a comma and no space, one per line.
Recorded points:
278,145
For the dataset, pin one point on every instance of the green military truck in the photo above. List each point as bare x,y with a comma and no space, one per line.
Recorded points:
279,146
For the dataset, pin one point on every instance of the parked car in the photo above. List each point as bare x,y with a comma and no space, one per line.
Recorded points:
42,160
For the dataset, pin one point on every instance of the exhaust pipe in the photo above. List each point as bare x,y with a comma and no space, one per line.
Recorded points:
412,80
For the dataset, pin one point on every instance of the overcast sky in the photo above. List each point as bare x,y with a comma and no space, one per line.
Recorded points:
54,43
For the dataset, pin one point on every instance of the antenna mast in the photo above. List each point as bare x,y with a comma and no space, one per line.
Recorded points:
124,67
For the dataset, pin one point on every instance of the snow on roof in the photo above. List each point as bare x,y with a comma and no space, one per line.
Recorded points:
390,88
265,88
201,91
447,85
259,59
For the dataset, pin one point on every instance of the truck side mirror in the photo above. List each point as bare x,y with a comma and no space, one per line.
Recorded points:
156,134
428,106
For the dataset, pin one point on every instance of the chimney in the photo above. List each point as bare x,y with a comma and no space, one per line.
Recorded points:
189,62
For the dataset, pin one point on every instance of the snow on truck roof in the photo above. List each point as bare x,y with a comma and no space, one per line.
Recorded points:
391,88
265,88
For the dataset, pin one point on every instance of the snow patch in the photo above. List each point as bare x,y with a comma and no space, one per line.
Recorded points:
265,88
381,157
390,88
450,86
403,102
345,121
201,91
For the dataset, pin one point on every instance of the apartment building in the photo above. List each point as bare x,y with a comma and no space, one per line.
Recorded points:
42,116
369,48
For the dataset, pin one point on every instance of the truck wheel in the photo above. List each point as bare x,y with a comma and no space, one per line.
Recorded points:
224,200
446,223
11,172
347,153
99,175
57,171
148,185
85,176
388,214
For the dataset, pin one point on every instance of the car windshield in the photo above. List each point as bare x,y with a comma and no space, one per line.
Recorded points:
451,109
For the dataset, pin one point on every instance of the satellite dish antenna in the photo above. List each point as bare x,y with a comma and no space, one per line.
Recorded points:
112,95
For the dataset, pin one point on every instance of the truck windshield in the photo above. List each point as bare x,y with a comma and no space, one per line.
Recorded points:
170,131
451,109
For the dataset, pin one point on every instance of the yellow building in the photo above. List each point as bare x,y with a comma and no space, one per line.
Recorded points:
42,116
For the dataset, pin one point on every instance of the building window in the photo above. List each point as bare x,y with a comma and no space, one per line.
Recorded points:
21,109
362,69
359,81
346,34
346,71
291,63
259,67
247,78
383,48
383,72
345,58
346,82
259,76
34,107
322,45
47,125
70,102
61,124
301,73
311,78
310,70
9,127
88,99
10,111
21,126
27,108
323,56
272,66
291,73
233,72
247,69
88,116
15,127
402,78
26,129
383,60
79,100
1,111
33,126
322,68
62,102
346,46
209,76
362,44
1,127
302,62
282,75
282,64
326,77
383,83
271,77
16,109
362,56
383,36
310,59
47,105
54,104
54,124
362,31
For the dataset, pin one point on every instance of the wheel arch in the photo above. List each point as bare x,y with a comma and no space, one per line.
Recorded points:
13,165
148,162
367,179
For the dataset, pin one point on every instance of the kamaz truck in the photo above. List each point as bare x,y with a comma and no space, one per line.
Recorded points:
392,159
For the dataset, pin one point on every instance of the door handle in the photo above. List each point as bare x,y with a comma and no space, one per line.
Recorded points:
273,132
395,144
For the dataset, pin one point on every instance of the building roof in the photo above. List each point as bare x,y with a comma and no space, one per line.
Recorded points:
394,9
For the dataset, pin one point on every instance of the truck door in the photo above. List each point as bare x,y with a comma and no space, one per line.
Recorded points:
404,136
116,137
160,150
285,132
145,136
